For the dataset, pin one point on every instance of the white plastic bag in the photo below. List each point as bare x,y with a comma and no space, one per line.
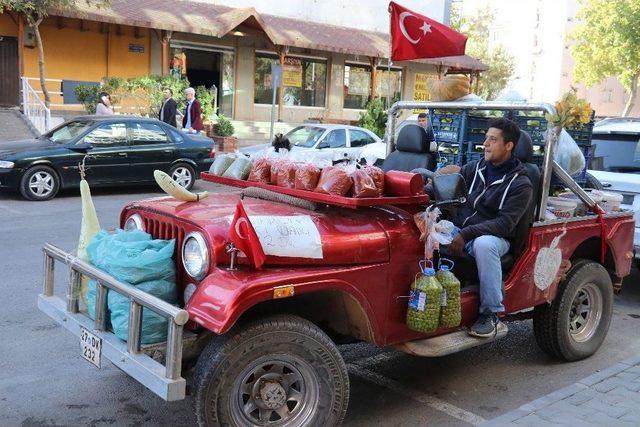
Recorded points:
568,154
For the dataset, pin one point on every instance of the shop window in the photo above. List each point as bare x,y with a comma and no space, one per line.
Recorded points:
357,85
304,81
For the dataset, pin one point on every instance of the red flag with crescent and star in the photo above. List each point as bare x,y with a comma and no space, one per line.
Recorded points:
415,36
245,238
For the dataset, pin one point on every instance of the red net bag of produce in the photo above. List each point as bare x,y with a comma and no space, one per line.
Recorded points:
377,175
363,185
286,175
334,180
261,171
307,176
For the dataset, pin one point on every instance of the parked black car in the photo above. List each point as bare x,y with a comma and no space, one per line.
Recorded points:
118,149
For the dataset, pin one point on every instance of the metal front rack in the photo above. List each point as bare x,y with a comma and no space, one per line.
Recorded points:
165,381
549,166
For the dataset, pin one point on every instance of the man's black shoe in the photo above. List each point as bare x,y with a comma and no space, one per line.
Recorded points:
486,326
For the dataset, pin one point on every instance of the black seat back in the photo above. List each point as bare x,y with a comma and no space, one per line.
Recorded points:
524,153
412,150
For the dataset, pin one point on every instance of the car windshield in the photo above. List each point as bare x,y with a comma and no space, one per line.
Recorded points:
305,136
68,132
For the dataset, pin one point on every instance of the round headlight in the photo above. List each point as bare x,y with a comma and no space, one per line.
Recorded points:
134,222
195,255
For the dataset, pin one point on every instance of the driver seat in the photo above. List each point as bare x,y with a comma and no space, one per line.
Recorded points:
465,265
412,150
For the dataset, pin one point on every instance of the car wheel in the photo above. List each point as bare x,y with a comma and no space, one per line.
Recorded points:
39,183
183,174
281,370
592,182
575,324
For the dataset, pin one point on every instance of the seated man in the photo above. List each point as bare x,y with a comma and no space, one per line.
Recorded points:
498,194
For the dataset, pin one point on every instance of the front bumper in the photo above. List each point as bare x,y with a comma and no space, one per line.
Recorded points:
10,178
164,380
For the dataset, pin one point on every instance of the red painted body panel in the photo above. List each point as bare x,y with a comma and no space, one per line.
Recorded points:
370,253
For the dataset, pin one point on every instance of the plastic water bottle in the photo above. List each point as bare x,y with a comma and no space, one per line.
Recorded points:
423,313
450,315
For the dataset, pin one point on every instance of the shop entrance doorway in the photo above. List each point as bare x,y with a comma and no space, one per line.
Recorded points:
210,67
9,78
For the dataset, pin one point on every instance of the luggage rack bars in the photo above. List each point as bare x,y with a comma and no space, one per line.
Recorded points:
176,317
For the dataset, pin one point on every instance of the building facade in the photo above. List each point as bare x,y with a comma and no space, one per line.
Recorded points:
329,71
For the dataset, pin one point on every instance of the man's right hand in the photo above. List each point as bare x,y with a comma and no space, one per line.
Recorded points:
449,169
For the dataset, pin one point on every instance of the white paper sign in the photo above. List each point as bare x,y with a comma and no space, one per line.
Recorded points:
288,236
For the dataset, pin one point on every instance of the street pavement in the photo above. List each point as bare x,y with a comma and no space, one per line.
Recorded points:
45,382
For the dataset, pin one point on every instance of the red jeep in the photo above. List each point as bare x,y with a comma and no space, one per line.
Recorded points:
264,339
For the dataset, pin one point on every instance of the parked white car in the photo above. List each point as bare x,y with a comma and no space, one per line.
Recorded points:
340,142
617,145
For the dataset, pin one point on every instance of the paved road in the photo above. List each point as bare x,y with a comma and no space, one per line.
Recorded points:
44,382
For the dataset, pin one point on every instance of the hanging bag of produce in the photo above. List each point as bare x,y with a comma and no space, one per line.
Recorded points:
423,313
450,315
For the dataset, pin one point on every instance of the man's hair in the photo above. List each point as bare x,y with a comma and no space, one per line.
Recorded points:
422,115
190,90
169,89
510,129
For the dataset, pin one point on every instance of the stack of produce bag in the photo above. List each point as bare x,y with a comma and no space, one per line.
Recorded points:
423,313
239,169
221,163
134,258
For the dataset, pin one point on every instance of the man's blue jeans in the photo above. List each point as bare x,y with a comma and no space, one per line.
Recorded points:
487,250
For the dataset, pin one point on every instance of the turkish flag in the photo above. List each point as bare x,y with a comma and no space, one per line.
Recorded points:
415,36
244,236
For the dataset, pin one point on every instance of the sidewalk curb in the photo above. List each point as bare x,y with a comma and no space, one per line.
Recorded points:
563,393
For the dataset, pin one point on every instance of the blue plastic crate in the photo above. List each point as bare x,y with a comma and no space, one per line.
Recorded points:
451,154
477,124
446,124
533,123
582,134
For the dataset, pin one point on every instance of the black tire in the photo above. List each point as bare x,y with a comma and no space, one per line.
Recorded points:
287,361
559,331
181,171
39,183
592,182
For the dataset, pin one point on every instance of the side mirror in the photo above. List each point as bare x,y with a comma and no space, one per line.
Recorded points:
81,147
449,187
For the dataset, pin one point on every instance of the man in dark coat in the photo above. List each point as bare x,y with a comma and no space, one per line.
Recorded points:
498,196
192,120
168,108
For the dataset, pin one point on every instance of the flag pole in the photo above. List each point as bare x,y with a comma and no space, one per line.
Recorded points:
389,65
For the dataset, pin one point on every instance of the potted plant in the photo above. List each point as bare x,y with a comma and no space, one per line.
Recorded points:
223,135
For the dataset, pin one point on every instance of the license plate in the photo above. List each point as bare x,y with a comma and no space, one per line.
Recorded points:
90,346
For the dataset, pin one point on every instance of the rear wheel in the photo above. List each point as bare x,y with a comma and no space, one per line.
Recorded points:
278,371
183,174
39,183
575,324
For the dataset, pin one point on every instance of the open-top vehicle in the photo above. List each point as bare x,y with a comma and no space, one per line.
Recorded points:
264,338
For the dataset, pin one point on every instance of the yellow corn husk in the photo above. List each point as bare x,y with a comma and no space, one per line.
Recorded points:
89,227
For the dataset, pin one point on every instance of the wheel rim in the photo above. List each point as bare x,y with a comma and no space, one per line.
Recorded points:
182,176
41,183
276,391
585,313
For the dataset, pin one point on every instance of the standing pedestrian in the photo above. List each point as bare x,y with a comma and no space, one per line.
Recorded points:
423,122
168,108
103,107
192,120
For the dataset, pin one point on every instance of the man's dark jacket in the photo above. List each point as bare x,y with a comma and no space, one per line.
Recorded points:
494,209
196,116
169,116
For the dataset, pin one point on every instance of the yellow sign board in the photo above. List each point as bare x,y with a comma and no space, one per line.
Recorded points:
292,72
421,88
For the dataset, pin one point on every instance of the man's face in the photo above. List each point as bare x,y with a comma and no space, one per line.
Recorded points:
167,93
189,96
422,122
496,150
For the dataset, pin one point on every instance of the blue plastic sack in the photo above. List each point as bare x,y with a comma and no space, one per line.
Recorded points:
134,258
154,326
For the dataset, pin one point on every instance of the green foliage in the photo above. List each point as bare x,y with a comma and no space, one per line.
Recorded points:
223,127
205,97
374,118
607,43
88,96
498,59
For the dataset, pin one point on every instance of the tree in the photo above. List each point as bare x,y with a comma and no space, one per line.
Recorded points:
498,59
607,44
35,11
